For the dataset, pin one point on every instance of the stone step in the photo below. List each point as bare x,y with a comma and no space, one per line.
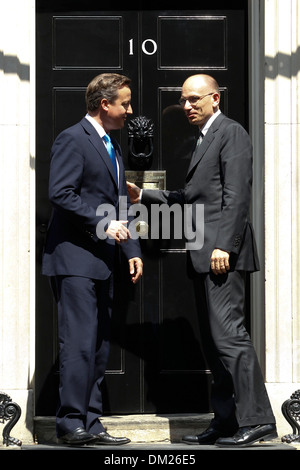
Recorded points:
140,428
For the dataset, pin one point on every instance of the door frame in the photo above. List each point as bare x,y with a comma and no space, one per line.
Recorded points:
256,21
256,129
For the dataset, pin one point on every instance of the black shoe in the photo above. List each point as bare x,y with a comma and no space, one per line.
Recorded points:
205,438
248,435
105,439
78,437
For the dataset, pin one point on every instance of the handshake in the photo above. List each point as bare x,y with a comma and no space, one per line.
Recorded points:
117,229
134,192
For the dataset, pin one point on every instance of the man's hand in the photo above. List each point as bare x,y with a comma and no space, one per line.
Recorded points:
219,261
135,269
134,192
118,231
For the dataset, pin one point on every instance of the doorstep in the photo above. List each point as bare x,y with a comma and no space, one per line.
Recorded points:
142,428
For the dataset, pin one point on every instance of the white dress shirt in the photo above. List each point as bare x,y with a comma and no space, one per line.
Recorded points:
101,133
209,122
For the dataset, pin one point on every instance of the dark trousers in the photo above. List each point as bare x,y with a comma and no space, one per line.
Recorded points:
239,397
84,314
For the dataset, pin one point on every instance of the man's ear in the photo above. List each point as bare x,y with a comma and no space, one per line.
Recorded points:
104,104
216,98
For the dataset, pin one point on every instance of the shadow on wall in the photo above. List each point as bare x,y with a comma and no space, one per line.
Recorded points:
286,65
11,64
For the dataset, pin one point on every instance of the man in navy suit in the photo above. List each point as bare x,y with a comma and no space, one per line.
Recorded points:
220,178
86,185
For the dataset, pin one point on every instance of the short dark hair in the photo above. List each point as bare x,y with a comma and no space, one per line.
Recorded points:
105,86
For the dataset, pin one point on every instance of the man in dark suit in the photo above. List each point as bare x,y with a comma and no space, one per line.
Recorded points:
220,178
86,185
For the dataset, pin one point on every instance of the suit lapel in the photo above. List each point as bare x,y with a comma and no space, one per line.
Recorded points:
201,150
98,144
205,144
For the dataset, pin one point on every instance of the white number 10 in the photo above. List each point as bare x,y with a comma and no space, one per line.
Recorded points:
145,47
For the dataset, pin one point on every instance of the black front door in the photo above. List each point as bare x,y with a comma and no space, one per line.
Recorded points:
156,364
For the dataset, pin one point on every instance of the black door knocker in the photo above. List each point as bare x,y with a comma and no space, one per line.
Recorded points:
140,143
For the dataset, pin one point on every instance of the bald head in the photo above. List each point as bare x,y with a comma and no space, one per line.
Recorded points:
200,98
203,81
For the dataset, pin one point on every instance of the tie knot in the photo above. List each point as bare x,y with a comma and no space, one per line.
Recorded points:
107,138
200,138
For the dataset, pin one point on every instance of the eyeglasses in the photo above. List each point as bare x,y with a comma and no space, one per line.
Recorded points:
193,100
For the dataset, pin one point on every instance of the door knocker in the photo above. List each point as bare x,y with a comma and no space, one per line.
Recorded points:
140,143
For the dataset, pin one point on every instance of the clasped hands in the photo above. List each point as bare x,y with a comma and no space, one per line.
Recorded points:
219,260
118,231
116,228
134,192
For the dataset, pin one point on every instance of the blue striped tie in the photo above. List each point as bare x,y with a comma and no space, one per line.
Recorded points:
111,151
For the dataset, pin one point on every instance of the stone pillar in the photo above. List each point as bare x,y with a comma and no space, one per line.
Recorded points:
16,209
282,203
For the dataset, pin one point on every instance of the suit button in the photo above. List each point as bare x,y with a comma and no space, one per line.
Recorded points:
237,241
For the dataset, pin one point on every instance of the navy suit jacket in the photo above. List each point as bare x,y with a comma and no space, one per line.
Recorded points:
220,178
82,178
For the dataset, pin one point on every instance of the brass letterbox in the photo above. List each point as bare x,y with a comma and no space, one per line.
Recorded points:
147,179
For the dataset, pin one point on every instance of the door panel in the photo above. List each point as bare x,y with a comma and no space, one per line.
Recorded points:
68,53
204,54
156,364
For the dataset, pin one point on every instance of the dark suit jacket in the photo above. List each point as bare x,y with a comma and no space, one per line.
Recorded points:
82,178
220,177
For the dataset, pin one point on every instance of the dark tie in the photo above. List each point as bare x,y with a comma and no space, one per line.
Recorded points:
198,143
111,151
200,138
194,154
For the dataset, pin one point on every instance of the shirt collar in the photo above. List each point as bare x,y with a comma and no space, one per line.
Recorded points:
209,122
96,125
